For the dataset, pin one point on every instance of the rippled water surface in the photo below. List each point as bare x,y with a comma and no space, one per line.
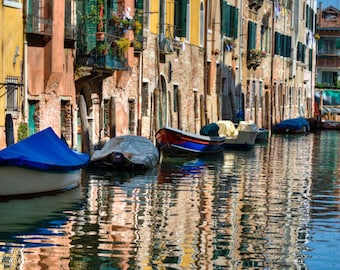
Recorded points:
276,206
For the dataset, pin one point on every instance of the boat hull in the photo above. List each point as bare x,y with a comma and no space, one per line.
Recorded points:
243,140
172,141
17,181
330,125
262,135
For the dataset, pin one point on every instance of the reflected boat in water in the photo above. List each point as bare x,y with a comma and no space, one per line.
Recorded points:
29,214
270,207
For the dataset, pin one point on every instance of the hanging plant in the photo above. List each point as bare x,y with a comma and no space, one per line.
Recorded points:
122,45
22,131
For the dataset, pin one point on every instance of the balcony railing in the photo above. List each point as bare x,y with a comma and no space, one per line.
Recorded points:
254,58
103,61
70,32
255,4
38,25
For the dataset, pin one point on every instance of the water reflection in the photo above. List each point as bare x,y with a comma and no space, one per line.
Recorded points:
273,207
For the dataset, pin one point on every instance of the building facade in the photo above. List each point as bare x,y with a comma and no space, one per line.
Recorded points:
51,96
328,63
140,65
12,77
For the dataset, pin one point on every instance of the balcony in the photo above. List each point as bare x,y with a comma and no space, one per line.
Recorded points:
256,4
254,58
70,32
38,25
103,61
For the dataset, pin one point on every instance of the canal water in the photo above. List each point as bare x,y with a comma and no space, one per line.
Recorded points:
276,206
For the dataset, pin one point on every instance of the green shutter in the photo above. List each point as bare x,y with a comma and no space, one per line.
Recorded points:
298,52
231,21
139,4
288,46
226,19
250,34
181,11
303,53
277,43
283,45
337,43
310,62
235,22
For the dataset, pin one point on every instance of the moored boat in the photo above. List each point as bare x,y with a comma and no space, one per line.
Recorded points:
126,152
262,135
292,126
38,164
330,125
242,137
172,141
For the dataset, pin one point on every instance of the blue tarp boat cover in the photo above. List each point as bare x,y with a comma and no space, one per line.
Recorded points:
45,151
293,124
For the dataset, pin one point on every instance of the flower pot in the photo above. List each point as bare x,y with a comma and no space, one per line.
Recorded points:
100,36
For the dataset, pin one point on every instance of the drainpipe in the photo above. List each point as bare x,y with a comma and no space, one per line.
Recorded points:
271,122
205,120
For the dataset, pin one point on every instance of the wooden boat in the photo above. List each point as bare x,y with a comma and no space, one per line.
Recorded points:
292,126
172,141
330,125
242,137
262,135
38,164
126,152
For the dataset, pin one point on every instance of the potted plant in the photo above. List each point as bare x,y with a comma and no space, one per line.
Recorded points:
96,15
103,48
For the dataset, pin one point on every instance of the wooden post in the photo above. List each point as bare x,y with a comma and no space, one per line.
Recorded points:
84,125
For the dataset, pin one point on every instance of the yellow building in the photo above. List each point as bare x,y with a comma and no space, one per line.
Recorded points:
11,64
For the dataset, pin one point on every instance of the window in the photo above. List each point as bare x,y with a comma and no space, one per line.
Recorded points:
329,77
283,45
229,20
180,18
201,24
132,116
12,93
187,26
145,99
13,3
251,35
146,9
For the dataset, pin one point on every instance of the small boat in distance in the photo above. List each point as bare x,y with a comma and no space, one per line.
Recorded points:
172,141
292,126
126,152
38,164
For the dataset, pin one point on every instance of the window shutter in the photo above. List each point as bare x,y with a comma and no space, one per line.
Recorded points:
251,35
181,11
288,46
139,4
225,19
235,22
277,43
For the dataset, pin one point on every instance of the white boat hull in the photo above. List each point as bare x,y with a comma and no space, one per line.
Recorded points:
243,139
16,181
